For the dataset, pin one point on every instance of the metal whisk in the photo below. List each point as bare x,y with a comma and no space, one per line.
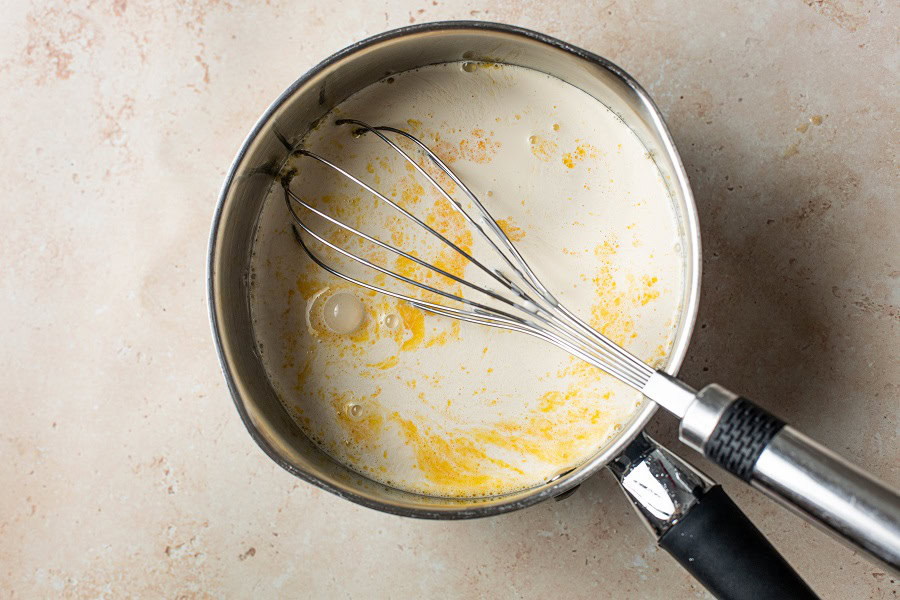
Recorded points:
521,302
729,430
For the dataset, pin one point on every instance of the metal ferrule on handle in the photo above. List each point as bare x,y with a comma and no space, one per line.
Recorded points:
791,468
662,487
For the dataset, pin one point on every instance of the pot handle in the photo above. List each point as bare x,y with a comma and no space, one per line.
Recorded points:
796,471
723,550
696,522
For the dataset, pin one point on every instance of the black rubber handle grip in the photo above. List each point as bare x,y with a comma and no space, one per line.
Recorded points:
740,437
717,544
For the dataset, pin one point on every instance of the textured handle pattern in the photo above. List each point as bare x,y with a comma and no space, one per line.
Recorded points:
740,437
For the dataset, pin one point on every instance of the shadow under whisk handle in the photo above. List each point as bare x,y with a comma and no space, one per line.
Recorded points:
796,471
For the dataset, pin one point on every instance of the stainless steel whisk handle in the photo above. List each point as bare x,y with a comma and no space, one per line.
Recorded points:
796,471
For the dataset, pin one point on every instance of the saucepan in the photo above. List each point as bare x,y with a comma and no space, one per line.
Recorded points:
689,515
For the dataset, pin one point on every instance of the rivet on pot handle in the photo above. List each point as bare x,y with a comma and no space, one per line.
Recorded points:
794,470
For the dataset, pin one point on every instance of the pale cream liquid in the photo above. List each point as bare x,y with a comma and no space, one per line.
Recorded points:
425,403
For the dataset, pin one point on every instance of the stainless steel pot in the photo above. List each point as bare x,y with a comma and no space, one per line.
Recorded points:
664,488
267,146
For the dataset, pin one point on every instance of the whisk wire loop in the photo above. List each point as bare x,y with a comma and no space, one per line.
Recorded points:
543,316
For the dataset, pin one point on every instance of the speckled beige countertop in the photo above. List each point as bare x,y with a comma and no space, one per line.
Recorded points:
126,471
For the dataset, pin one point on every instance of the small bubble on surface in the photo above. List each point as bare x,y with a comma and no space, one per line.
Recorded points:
343,313
391,321
354,411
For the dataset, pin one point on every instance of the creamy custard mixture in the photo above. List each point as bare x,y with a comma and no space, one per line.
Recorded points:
426,403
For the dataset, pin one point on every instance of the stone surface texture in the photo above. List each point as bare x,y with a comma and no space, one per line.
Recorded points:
126,471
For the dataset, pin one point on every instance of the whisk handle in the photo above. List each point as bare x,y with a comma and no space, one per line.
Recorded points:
796,471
